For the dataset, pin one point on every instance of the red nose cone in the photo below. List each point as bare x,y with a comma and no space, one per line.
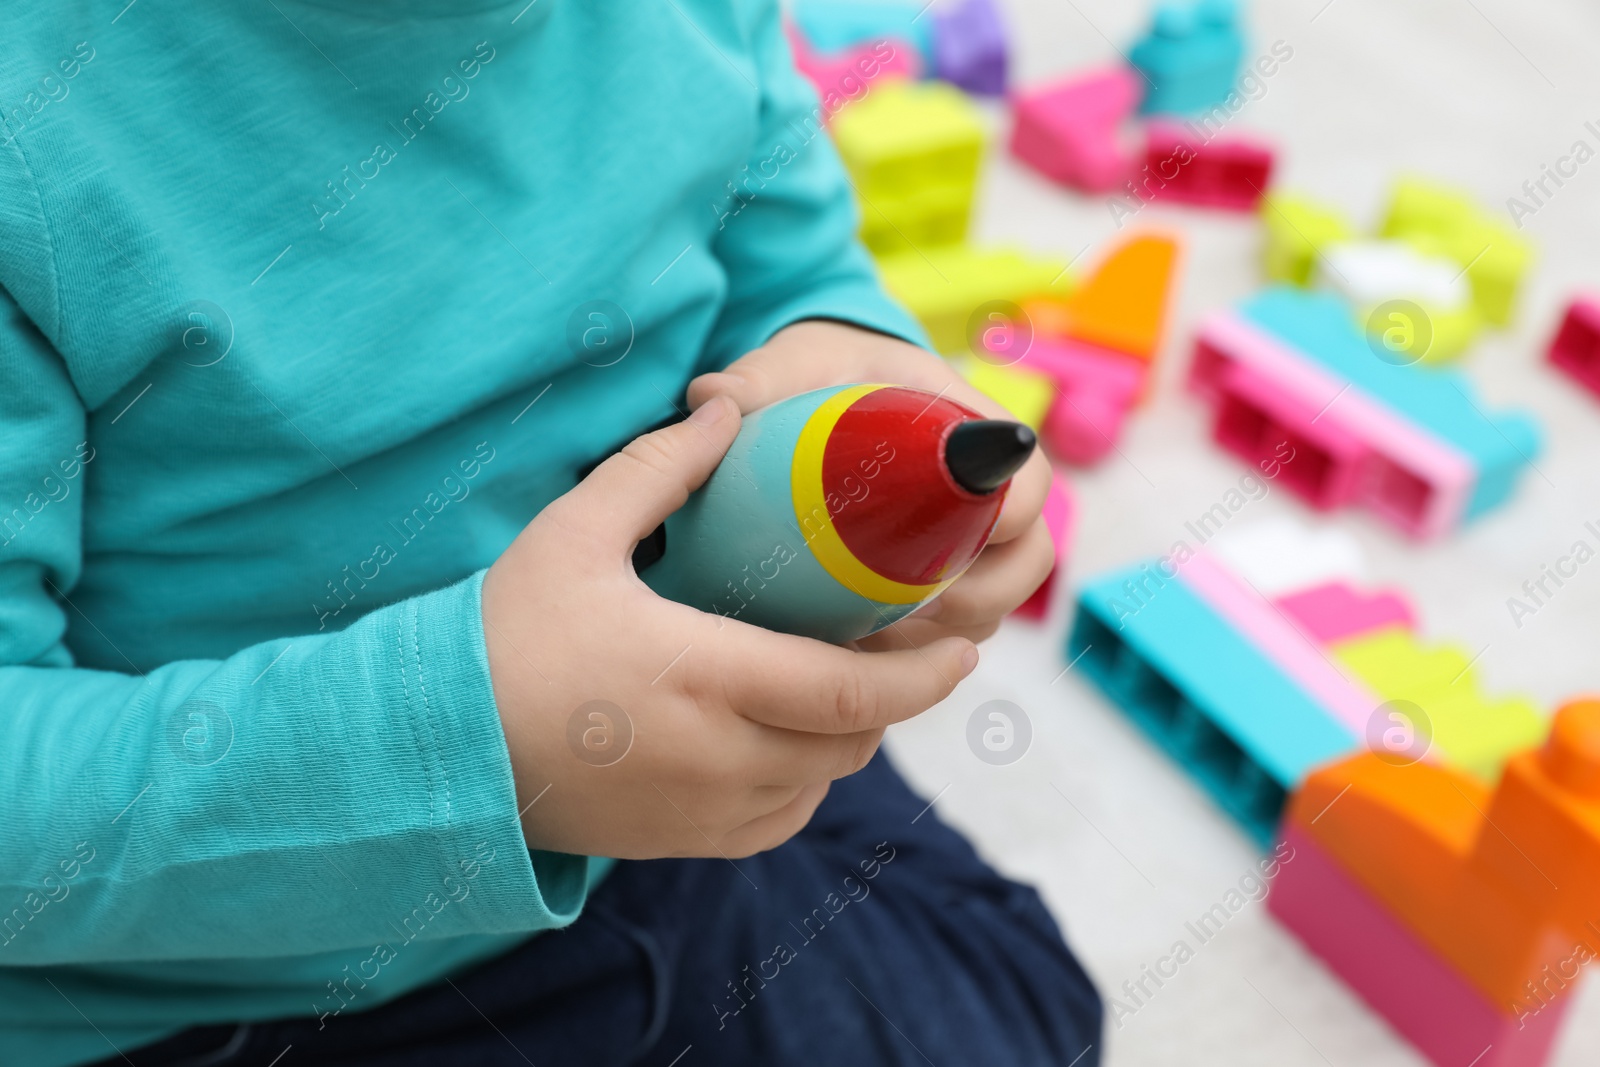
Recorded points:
893,498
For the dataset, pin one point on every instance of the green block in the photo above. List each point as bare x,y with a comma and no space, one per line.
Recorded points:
1297,229
912,150
1444,220
945,286
1472,732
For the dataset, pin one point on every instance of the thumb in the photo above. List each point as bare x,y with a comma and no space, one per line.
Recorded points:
625,498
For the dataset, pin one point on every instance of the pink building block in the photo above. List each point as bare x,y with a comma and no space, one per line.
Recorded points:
1355,451
1335,611
1255,617
1095,387
1071,130
1060,518
1226,171
1422,996
1576,346
840,77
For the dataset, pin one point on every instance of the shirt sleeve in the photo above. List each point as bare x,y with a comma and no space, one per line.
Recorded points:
787,234
299,796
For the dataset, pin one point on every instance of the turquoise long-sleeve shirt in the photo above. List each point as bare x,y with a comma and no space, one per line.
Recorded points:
307,309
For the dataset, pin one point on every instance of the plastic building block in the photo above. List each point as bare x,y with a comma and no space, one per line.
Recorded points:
1421,995
1290,368
945,288
1123,304
1025,393
1499,887
1104,337
913,150
842,77
1095,388
1438,218
1203,691
1370,274
1297,230
1190,56
1470,731
1231,172
1576,345
1071,130
1060,518
1336,610
969,46
803,526
837,25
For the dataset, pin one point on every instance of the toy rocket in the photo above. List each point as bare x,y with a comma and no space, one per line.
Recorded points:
840,511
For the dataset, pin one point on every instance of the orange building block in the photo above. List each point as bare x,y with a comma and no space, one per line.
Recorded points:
1503,885
1123,305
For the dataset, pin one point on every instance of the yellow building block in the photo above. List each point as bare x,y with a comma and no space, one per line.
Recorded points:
1452,330
1473,733
912,149
1027,394
1444,220
944,287
1297,228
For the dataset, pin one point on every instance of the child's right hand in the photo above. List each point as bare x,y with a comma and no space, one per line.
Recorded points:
736,731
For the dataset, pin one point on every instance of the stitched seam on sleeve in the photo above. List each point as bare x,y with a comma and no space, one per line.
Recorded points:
427,710
405,689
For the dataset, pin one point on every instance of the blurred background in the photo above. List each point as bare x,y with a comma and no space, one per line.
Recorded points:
1480,94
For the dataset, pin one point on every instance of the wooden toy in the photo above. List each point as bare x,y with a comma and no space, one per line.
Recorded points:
1060,517
1297,229
1229,171
841,77
1576,346
838,25
840,511
969,46
1252,694
945,288
912,149
1462,914
1373,274
1438,218
1412,445
1072,130
1190,57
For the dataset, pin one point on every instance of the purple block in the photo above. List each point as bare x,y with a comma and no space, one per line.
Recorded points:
969,46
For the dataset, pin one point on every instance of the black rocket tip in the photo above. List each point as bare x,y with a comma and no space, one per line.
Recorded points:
984,453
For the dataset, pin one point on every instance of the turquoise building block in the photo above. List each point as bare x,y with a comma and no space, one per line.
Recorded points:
1319,325
1190,57
834,25
1203,692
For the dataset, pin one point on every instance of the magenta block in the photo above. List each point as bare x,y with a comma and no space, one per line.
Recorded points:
1071,130
1227,171
1335,611
1355,450
1576,345
1396,973
845,75
1095,387
1060,518
969,46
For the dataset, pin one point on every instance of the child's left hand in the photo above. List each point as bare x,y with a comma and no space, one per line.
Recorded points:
816,354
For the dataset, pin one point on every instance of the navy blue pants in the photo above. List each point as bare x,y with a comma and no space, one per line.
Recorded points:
875,936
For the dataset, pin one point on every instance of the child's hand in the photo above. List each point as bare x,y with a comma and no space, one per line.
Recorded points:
816,354
735,731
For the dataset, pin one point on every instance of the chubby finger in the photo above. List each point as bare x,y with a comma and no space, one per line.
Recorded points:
773,829
795,758
625,498
800,684
918,633
997,583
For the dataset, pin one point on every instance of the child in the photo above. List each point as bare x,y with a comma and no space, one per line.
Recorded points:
312,313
